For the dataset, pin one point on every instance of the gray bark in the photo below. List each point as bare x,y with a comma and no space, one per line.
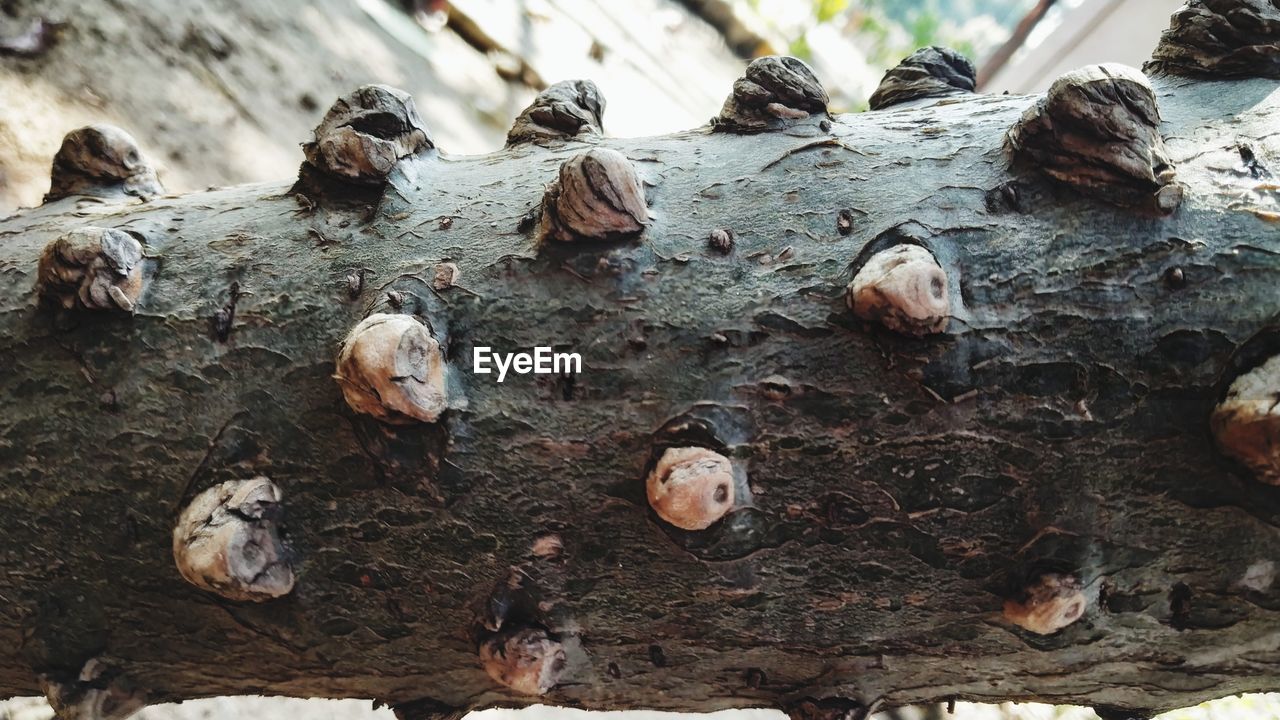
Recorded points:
897,490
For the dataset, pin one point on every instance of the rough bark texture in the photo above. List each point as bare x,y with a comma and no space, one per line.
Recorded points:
1222,38
896,491
566,109
928,72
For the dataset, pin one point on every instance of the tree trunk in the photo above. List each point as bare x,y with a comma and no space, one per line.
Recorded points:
892,492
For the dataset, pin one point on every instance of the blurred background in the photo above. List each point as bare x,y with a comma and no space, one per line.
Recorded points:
221,92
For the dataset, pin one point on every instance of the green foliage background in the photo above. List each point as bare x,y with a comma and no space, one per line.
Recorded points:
889,29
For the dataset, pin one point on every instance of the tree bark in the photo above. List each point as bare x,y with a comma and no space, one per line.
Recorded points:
896,490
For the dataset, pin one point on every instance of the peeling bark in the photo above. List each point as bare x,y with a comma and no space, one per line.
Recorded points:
1221,38
903,288
527,661
92,268
1098,130
366,133
564,110
1246,423
891,492
774,92
94,694
1047,606
101,160
226,541
597,196
927,73
691,488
